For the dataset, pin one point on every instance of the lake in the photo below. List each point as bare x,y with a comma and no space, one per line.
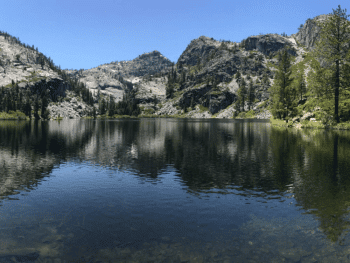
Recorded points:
172,190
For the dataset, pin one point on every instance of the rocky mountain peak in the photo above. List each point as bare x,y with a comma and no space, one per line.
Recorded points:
116,77
308,34
154,53
199,49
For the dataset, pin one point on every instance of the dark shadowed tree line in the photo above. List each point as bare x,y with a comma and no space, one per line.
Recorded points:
13,98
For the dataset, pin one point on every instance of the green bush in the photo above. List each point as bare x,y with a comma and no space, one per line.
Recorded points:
13,115
202,108
246,115
148,111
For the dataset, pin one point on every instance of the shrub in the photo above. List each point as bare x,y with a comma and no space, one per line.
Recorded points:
202,108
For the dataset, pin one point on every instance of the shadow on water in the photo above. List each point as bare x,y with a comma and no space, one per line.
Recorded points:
260,193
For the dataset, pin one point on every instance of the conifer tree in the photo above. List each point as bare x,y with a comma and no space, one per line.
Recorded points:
281,90
301,86
36,108
242,93
27,108
111,110
250,94
238,76
333,48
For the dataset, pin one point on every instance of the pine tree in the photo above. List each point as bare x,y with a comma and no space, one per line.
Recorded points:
94,112
44,105
169,90
36,108
301,86
250,94
333,48
27,108
281,90
238,76
242,93
111,108
102,107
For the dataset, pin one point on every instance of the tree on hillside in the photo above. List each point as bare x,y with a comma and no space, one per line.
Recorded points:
242,93
44,105
36,108
333,49
27,108
281,90
301,86
111,106
238,76
102,106
250,94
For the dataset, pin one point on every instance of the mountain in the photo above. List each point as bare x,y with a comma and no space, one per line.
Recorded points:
202,84
116,77
309,33
30,81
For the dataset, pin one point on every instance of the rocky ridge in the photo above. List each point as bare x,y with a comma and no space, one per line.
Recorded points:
117,77
32,71
205,72
309,33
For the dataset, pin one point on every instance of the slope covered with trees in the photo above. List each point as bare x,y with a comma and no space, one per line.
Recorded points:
327,93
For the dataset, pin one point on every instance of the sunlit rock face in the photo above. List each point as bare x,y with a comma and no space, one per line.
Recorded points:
24,65
268,43
116,77
310,32
21,63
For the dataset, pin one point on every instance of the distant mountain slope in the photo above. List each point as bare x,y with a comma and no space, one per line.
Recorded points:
203,82
112,78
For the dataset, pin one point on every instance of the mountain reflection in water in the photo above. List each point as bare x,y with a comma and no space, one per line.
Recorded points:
172,189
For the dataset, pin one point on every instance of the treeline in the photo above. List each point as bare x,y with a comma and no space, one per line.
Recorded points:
77,87
34,104
13,98
127,106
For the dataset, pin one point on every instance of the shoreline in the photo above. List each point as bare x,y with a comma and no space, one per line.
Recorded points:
16,116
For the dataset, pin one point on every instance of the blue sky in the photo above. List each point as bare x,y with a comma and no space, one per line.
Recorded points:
81,34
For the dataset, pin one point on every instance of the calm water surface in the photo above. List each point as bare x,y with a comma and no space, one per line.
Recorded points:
169,190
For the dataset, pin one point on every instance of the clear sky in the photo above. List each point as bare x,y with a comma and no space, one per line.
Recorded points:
82,34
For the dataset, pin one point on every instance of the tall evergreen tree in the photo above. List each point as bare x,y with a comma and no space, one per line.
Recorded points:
102,106
333,48
242,93
301,86
111,109
250,94
44,105
27,108
36,108
281,90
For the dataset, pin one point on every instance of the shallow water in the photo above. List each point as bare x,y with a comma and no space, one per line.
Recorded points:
168,190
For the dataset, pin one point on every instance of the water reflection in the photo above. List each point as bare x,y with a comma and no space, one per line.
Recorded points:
308,169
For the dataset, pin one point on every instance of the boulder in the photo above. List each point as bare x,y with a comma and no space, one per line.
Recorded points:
307,116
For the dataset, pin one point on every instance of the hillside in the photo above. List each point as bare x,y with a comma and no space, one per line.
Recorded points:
202,84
